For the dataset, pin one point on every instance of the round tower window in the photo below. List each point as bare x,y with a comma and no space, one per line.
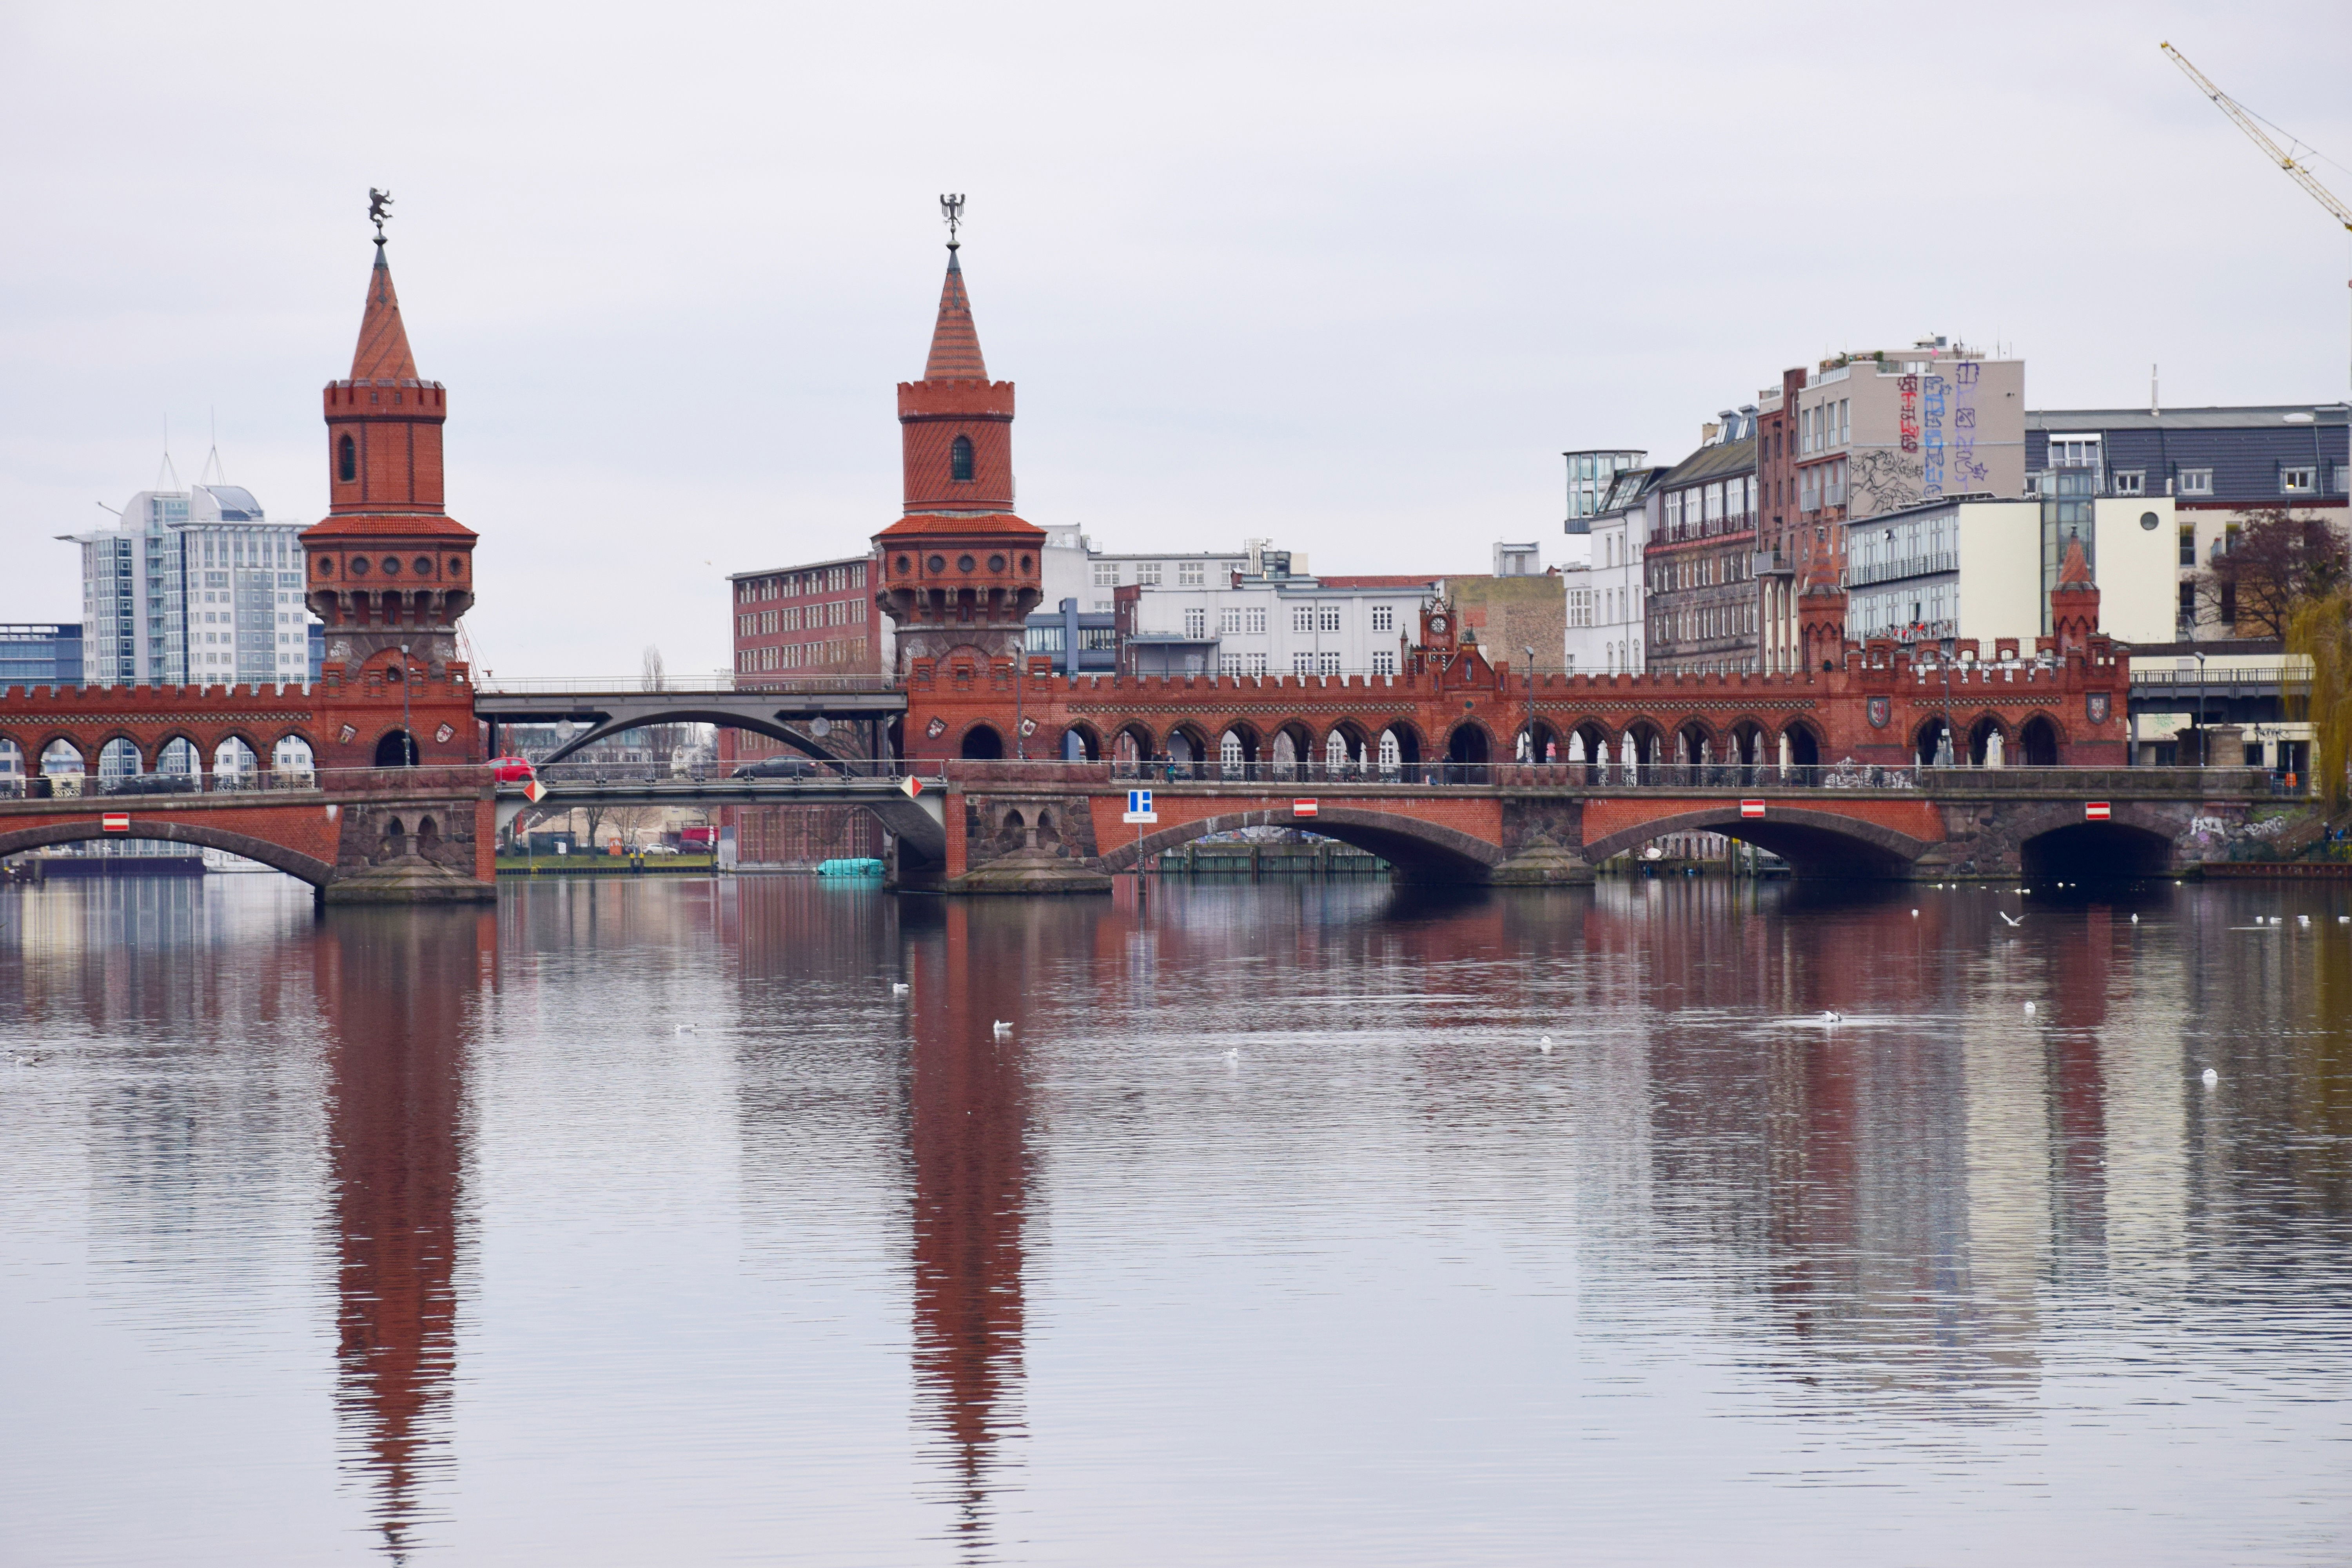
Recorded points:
904,566
326,567
936,563
963,562
359,566
996,563
423,565
1024,563
456,566
391,565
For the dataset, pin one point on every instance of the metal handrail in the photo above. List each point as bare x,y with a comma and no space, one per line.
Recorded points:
619,685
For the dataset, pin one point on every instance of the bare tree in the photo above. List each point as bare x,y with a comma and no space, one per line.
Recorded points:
595,815
635,822
2280,561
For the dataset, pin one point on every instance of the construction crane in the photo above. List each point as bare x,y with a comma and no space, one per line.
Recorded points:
2244,121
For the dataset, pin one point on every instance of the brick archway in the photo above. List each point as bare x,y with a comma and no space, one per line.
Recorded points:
1419,850
1805,838
293,862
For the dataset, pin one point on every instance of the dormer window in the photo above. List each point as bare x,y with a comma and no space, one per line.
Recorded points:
960,458
347,460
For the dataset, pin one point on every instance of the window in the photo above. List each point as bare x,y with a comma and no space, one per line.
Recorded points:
1191,574
1257,619
1229,620
1327,617
1228,664
2188,603
1845,420
1384,663
2196,482
1302,618
2074,452
1106,573
1196,623
1383,617
2189,545
2300,481
1147,573
960,458
1302,664
1327,664
2130,482
1256,663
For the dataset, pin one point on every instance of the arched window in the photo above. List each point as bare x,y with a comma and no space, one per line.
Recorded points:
347,460
959,458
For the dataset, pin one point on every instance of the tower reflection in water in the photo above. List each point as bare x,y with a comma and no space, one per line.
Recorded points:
399,989
967,1140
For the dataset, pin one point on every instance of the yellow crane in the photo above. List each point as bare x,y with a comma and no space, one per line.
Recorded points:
2296,169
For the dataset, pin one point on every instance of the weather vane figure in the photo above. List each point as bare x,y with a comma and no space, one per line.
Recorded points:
952,208
379,209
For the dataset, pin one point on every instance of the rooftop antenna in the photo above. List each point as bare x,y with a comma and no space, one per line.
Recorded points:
951,209
214,474
167,477
379,212
2154,407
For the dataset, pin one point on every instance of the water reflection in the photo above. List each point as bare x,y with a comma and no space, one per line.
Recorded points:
1266,1233
399,992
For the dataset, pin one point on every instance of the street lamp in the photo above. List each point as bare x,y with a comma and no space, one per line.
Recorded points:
2201,707
407,734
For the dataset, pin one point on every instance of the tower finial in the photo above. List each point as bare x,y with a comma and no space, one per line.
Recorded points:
951,209
379,209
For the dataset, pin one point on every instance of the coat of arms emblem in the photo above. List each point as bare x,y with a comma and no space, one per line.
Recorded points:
2096,703
1882,711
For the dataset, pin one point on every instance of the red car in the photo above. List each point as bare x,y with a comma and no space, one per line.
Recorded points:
510,770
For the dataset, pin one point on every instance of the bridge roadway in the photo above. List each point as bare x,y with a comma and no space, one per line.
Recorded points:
605,709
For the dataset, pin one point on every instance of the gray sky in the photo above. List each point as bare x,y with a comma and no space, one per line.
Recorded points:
1348,277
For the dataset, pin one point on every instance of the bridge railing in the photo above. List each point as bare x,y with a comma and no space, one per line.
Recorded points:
746,684
1728,776
464,779
785,768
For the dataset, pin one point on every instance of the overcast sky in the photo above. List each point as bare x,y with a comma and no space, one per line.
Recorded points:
1346,277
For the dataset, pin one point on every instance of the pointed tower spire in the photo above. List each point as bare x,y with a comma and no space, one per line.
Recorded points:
955,341
382,352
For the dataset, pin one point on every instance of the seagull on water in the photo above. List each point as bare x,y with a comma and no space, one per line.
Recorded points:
1833,1017
2029,1007
2211,1078
1231,1054
897,988
2010,917
1002,1028
2135,920
1544,1045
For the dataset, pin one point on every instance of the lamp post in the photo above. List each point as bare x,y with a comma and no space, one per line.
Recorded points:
407,735
1533,755
1946,648
2201,709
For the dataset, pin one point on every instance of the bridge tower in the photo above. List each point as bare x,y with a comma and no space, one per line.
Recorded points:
1821,619
388,568
2073,604
959,572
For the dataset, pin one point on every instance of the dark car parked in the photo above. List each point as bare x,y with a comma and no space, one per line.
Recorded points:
785,766
150,784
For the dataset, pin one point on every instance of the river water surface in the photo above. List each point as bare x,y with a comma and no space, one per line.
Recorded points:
643,1221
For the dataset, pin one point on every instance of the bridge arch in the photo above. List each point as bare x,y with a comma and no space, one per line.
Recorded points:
2055,844
1803,742
1810,839
2039,740
293,862
688,712
1421,851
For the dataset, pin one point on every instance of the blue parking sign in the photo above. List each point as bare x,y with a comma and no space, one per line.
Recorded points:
1138,802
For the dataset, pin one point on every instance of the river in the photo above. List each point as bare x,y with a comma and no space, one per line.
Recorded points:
642,1220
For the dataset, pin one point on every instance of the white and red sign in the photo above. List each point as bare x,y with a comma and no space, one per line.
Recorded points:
2095,811
912,786
115,822
1751,808
1302,808
534,792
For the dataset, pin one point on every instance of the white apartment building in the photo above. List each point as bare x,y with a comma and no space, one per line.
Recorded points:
1277,625
1070,567
194,586
1605,606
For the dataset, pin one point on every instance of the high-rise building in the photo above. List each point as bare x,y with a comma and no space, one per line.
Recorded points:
40,655
196,585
